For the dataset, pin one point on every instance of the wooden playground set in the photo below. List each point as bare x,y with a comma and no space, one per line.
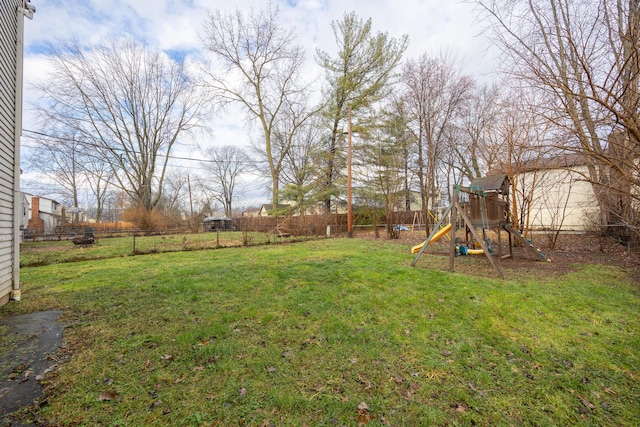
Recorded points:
477,209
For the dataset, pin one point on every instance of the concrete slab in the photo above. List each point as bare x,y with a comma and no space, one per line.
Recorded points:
33,340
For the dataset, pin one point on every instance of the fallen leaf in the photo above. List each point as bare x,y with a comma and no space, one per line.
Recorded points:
586,403
42,375
242,392
363,414
107,396
362,406
166,357
271,369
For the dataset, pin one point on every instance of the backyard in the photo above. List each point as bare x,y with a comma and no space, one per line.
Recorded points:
338,332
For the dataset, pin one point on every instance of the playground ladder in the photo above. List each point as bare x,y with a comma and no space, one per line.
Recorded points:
525,242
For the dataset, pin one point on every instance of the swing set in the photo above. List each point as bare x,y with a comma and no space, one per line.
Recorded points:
487,209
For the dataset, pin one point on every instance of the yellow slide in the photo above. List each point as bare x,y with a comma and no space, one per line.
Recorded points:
435,238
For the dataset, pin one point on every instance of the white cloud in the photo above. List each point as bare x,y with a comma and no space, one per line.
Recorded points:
175,24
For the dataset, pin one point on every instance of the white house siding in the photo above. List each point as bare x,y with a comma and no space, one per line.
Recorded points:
8,151
562,199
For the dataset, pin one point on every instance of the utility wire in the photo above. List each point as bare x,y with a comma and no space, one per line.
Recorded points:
93,145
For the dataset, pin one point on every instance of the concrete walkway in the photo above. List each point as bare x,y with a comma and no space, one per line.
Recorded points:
29,343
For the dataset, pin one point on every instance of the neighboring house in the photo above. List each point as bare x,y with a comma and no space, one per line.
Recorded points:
43,215
267,209
251,213
556,194
25,211
415,202
12,13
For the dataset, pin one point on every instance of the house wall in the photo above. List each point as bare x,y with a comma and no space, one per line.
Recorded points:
9,122
43,215
560,199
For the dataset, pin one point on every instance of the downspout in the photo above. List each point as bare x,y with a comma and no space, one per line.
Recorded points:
25,10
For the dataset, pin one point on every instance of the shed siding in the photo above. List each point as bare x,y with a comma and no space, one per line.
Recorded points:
8,81
562,199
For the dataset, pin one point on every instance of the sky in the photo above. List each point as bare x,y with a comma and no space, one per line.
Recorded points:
174,26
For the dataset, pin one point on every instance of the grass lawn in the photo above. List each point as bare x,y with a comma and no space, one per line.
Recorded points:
34,254
335,332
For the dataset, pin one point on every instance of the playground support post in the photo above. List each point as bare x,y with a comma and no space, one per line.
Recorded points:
457,210
433,233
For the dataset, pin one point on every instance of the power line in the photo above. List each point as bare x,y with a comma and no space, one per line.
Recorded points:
250,162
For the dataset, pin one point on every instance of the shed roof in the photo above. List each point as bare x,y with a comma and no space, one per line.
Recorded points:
499,183
562,161
217,218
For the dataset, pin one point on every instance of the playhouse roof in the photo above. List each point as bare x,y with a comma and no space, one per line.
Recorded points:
499,183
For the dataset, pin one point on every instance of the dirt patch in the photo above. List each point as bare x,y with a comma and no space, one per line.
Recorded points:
570,251
33,340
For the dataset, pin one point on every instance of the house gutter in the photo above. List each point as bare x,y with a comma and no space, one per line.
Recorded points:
25,10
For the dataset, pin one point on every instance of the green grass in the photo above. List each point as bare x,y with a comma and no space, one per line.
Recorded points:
295,335
54,252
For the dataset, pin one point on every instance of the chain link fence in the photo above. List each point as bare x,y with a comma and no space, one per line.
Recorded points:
41,250
92,242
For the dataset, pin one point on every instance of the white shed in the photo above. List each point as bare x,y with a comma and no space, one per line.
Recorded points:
559,196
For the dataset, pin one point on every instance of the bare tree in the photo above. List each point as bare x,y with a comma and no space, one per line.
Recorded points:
99,178
357,78
477,117
225,166
259,71
434,92
516,141
70,165
129,103
61,160
585,58
175,190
